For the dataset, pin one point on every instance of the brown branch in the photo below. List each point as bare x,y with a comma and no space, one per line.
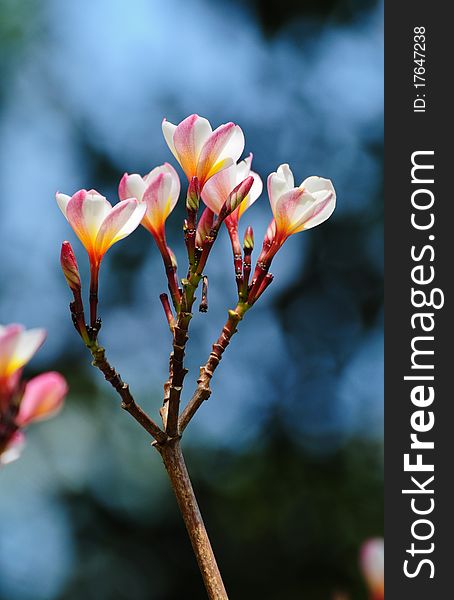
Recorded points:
176,468
177,371
127,400
203,390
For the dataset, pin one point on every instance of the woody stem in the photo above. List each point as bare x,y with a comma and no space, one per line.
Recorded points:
176,468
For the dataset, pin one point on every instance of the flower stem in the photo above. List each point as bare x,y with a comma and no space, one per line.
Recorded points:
127,401
94,277
176,468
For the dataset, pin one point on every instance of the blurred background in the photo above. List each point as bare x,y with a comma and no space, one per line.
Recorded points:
286,456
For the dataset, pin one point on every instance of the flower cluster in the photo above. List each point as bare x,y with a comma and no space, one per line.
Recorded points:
227,187
22,402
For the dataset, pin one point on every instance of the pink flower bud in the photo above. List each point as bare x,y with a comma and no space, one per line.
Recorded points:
204,226
193,195
270,233
248,242
69,267
173,258
218,188
236,197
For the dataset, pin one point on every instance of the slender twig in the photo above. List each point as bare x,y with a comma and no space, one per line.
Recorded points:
182,487
127,400
167,310
203,390
177,371
170,267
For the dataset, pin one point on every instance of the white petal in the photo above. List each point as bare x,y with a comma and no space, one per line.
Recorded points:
62,201
95,209
278,184
257,187
234,147
322,207
133,222
201,132
13,449
317,184
242,170
136,186
284,172
323,215
320,189
168,129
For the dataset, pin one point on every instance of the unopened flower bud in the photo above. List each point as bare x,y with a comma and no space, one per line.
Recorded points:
248,242
193,195
236,197
204,226
270,233
69,267
173,258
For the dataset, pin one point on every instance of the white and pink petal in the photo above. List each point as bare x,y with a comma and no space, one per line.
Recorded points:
122,220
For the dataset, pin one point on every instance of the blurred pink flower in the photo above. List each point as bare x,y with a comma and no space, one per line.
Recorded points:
43,398
23,402
17,346
372,564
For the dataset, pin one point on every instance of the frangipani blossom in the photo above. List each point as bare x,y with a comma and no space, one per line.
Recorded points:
23,402
201,151
17,346
218,188
298,208
96,223
372,563
159,191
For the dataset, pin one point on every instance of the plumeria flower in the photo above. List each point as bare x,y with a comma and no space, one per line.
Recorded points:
294,209
96,223
201,151
22,403
98,226
372,564
159,191
298,208
218,188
